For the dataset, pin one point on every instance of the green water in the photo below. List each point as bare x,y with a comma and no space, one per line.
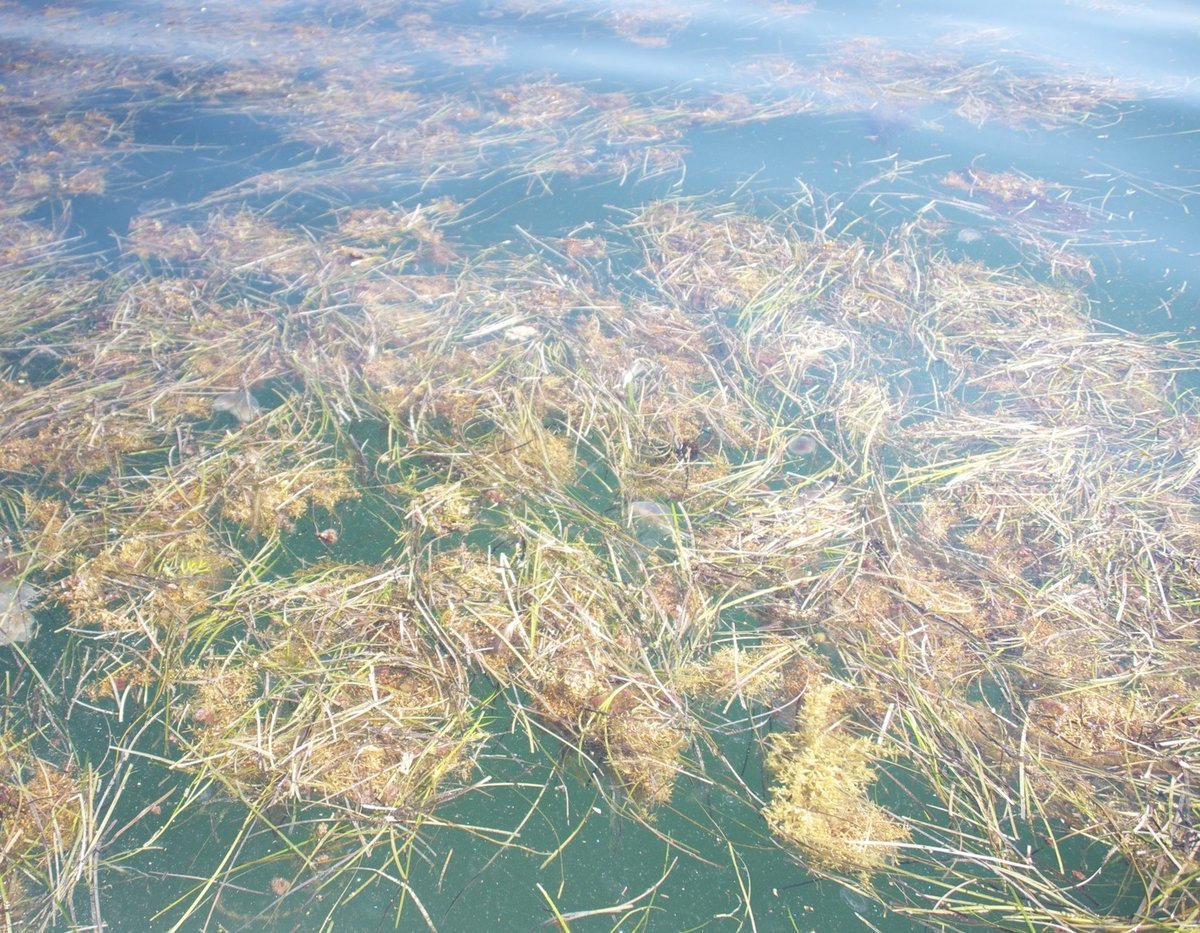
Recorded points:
166,156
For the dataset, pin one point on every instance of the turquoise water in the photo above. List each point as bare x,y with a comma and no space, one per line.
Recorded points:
514,151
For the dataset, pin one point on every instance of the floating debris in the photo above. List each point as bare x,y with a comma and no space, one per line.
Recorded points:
17,623
522,333
802,445
240,403
649,512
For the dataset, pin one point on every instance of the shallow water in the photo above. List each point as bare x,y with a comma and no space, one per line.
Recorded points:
396,226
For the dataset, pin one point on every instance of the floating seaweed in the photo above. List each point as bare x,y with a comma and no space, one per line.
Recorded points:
885,547
819,800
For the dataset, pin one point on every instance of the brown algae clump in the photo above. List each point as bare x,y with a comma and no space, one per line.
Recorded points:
819,799
550,627
630,728
43,818
775,673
